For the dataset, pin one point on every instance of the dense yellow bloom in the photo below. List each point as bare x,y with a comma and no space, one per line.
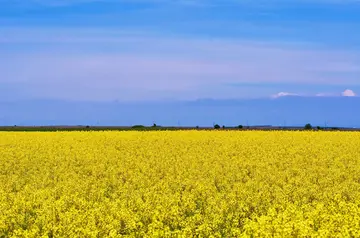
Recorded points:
180,184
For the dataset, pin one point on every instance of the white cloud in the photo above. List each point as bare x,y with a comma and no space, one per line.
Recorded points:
327,95
348,93
284,94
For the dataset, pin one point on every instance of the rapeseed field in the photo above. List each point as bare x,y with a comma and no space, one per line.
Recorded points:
180,184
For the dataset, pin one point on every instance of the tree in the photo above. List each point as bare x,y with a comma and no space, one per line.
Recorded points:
308,126
240,126
223,127
138,127
216,126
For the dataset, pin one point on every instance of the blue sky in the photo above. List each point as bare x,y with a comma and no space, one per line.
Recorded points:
140,50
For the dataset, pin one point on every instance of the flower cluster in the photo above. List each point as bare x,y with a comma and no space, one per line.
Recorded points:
180,184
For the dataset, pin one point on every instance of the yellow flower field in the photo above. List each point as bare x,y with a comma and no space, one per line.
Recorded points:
180,184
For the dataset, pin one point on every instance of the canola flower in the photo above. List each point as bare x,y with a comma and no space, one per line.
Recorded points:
180,184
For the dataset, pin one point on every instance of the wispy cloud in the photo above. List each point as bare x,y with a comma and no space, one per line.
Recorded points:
108,65
346,93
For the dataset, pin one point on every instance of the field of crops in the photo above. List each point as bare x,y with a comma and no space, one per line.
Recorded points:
179,184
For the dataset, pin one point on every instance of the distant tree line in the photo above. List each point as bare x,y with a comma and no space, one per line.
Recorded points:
154,126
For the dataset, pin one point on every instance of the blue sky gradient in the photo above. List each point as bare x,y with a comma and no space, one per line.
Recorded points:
167,50
186,49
